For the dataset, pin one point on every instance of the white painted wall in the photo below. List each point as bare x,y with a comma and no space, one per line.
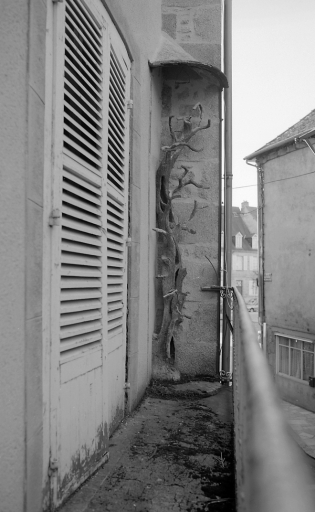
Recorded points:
13,109
289,246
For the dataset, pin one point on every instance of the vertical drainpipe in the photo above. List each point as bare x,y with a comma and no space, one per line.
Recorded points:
228,179
220,260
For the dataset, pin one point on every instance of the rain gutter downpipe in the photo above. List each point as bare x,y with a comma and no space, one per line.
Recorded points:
227,182
261,241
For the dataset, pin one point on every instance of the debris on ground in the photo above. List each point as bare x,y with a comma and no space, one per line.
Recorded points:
175,453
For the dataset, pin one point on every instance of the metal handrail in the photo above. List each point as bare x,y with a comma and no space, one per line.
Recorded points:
271,475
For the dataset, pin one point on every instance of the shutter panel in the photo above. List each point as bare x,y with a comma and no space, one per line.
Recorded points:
80,320
89,185
83,86
81,225
116,195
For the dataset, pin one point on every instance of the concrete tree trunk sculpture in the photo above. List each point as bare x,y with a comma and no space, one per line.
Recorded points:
170,268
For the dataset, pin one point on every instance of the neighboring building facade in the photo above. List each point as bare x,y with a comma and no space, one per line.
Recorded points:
245,252
287,258
86,90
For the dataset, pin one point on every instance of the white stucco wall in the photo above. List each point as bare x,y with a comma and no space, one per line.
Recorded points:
289,246
13,107
22,88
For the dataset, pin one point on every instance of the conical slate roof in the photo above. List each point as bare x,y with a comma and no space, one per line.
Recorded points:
170,53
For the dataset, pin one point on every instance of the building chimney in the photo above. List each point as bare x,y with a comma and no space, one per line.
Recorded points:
245,205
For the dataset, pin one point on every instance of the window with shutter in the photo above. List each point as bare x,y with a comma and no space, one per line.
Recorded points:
87,252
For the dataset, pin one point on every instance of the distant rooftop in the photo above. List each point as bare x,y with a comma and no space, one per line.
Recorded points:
306,124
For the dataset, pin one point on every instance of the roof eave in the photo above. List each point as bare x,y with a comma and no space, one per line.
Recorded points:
276,145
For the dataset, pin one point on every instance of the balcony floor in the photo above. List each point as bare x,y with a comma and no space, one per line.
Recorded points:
174,453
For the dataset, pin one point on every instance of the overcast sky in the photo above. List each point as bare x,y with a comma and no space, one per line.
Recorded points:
273,77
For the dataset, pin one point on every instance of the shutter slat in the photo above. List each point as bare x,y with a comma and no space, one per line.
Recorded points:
82,151
90,137
83,194
114,212
120,119
77,329
78,271
79,317
113,224
78,226
78,341
86,217
79,305
116,86
81,62
114,324
83,96
93,150
92,54
113,141
115,254
115,263
116,156
89,187
74,259
80,21
76,69
116,168
72,282
115,246
114,280
94,119
83,87
114,271
83,205
114,306
80,294
112,315
87,17
117,104
118,66
117,79
77,237
80,248
95,131
114,238
113,290
113,131
82,162
117,100
113,178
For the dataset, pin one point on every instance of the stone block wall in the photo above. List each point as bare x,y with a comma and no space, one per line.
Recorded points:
196,342
196,26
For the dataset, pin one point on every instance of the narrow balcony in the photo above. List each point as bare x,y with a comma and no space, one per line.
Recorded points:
272,473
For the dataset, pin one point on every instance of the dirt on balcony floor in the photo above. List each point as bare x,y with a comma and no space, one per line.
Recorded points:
174,453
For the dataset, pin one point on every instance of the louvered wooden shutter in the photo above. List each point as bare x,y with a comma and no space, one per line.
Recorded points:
95,88
116,195
81,246
87,253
